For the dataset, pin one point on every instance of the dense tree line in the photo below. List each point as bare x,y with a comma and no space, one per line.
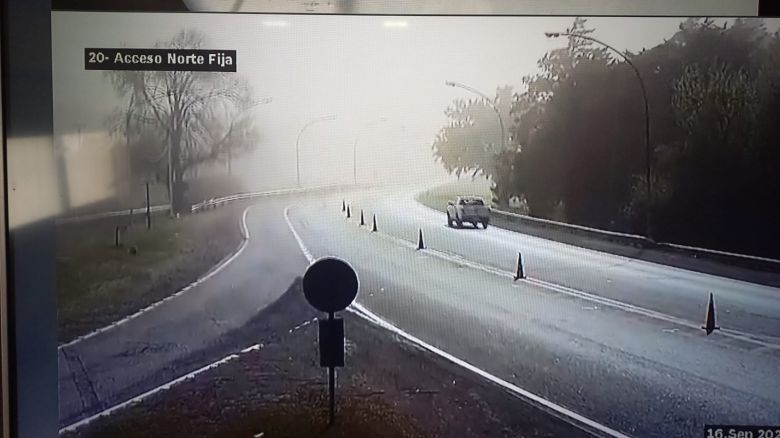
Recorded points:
577,148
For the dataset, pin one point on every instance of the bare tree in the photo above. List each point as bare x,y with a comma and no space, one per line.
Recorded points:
199,117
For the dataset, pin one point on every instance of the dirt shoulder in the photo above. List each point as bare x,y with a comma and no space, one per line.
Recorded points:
388,389
99,283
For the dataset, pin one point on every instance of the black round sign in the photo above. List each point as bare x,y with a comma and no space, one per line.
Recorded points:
330,284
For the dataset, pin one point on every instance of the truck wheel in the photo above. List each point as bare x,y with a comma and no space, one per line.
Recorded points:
484,225
449,220
458,222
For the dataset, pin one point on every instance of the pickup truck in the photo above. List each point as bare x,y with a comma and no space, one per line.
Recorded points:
471,209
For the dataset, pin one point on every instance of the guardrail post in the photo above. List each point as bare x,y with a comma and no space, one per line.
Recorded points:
362,220
148,209
373,225
420,242
349,214
117,236
343,205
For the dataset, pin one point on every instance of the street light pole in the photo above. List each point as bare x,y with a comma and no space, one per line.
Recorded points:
648,154
354,148
298,145
354,161
171,180
489,101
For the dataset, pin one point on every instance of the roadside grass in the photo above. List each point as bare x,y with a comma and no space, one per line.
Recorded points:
246,413
438,196
388,388
99,283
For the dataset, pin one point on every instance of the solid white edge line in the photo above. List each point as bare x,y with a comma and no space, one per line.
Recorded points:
214,271
304,250
620,305
764,341
163,387
138,398
252,348
244,228
622,258
362,311
610,233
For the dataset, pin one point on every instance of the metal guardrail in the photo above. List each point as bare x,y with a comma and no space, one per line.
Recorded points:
117,213
554,224
216,202
210,203
725,256
634,240
756,262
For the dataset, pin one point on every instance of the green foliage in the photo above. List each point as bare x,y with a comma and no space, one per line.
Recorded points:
578,147
468,143
471,141
713,104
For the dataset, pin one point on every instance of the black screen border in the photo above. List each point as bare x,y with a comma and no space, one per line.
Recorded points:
30,399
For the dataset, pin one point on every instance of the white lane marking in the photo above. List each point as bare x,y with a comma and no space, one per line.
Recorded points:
214,271
244,228
141,397
303,324
570,416
146,394
607,257
304,250
767,341
252,348
735,334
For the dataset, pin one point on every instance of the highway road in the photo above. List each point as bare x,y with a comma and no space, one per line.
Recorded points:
744,308
611,338
144,352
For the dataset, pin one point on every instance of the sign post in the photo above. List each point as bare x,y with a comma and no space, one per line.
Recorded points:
330,285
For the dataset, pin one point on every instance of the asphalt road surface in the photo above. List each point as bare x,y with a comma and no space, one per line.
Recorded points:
144,352
614,339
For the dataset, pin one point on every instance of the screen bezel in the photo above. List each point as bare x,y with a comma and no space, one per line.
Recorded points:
27,286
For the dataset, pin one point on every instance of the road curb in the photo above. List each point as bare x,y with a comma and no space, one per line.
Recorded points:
210,273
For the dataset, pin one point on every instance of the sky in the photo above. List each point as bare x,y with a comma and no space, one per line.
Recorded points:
360,69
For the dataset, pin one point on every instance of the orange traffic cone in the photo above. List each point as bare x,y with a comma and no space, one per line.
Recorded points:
362,221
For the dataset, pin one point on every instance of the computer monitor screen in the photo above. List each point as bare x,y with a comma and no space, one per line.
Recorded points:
559,226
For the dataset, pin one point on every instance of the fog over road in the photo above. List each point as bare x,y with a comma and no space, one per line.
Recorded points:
131,358
742,306
611,338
